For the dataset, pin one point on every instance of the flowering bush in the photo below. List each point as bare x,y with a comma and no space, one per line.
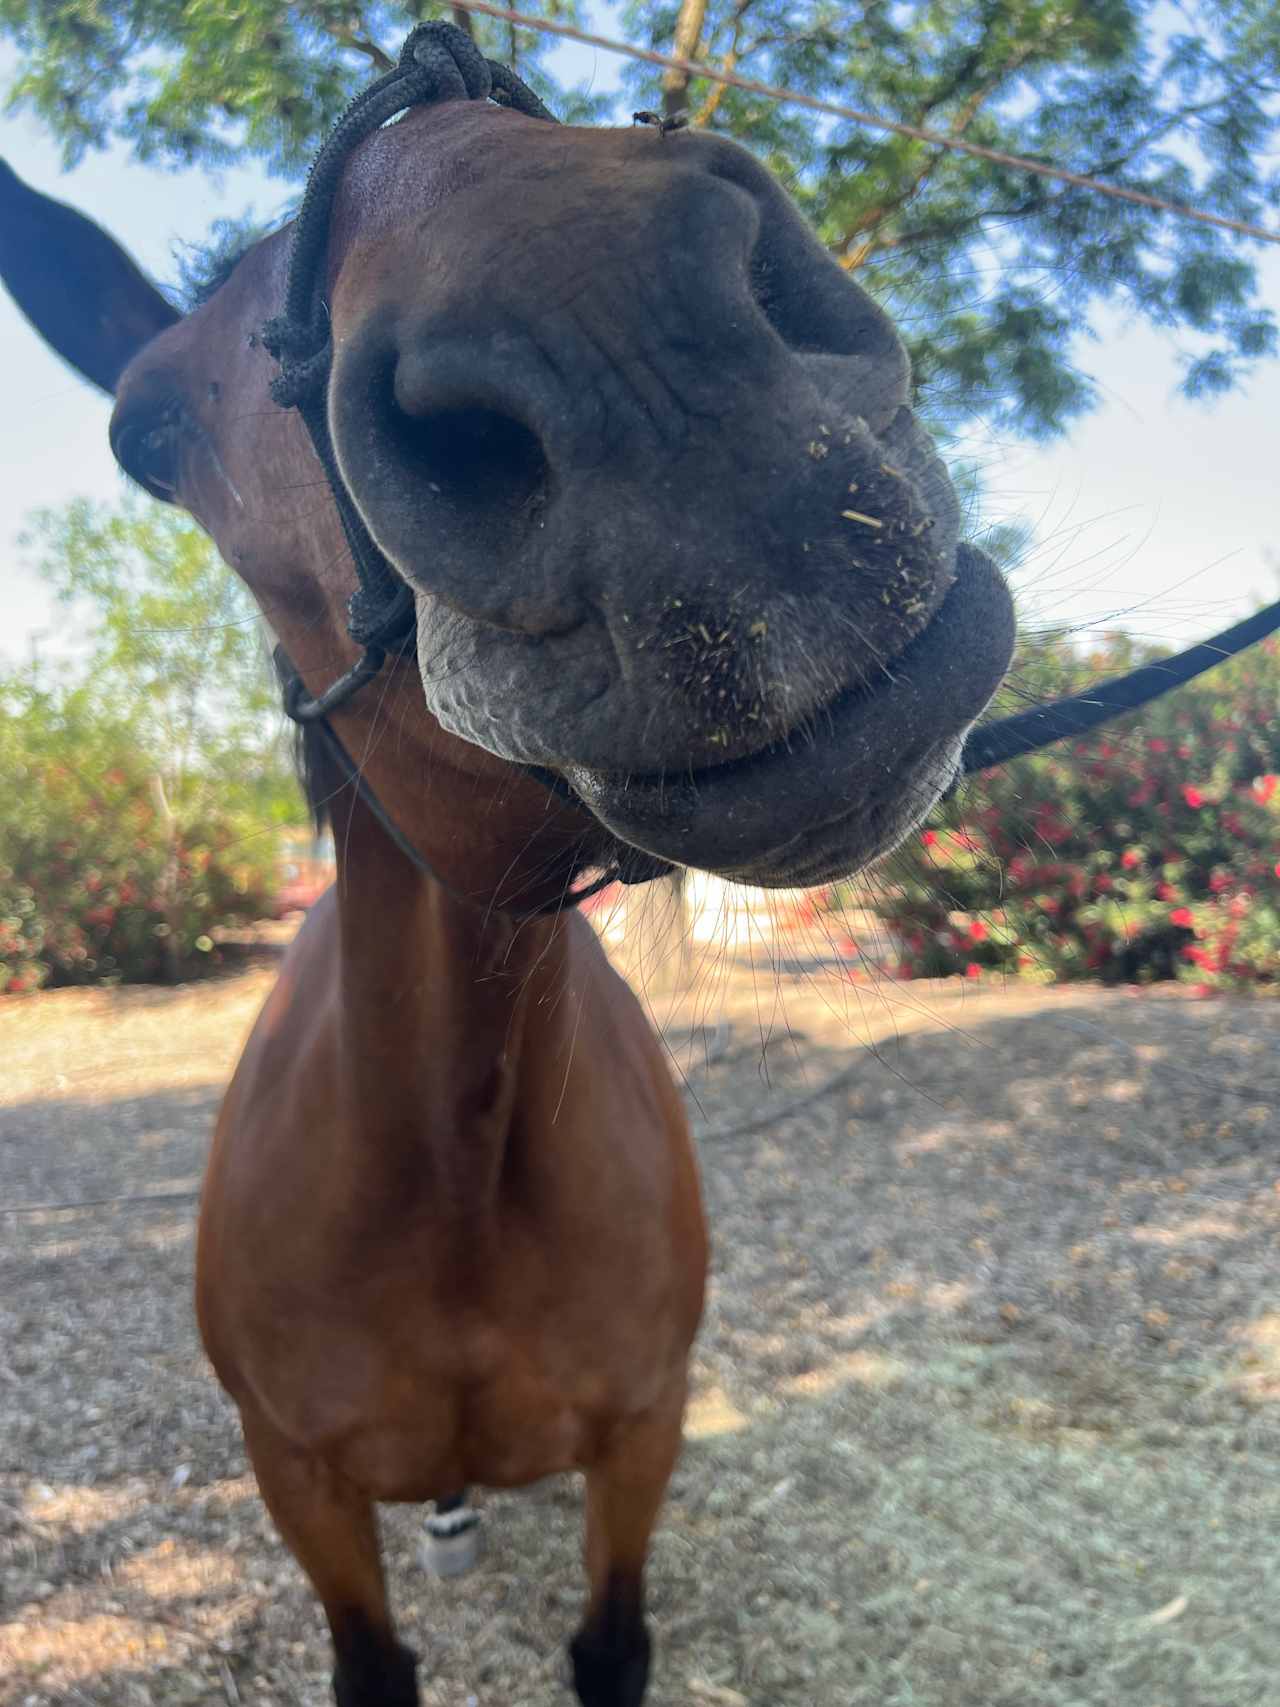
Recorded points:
1150,850
100,878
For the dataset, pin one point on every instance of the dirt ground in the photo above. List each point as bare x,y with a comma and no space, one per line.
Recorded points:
987,1403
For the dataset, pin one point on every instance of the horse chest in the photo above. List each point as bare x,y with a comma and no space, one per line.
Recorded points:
419,1366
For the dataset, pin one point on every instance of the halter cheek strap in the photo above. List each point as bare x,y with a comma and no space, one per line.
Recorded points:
630,866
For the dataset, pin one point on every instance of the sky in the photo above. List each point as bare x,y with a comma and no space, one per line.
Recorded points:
1154,513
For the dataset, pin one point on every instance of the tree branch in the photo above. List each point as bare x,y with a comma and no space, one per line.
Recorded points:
733,55
873,218
345,35
675,83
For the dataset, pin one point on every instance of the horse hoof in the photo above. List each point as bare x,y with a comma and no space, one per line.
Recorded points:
451,1542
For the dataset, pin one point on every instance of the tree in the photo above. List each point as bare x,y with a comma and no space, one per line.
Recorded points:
208,85
175,647
993,273
149,775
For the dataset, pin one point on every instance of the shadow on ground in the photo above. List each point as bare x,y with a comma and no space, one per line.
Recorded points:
985,1406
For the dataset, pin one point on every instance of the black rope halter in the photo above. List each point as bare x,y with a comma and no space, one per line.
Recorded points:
440,62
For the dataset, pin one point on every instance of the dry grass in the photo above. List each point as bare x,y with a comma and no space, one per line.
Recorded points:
987,1402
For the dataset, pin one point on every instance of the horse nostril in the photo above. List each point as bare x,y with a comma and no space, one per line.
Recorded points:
484,470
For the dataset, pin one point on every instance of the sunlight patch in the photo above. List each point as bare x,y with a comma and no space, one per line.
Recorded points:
171,1571
1201,1227
712,1413
867,1368
1258,1376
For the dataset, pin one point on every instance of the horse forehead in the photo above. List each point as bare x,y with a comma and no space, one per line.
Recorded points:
502,170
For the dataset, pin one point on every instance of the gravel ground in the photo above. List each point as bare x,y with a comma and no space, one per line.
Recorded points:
987,1402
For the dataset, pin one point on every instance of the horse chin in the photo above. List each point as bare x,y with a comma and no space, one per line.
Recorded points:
832,798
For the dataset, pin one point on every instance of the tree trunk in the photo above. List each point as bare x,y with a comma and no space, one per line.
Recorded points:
168,896
675,84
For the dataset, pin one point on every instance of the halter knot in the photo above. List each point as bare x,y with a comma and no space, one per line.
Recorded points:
303,351
455,68
374,619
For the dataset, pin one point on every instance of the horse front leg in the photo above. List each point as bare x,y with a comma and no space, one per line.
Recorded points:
610,1653
330,1527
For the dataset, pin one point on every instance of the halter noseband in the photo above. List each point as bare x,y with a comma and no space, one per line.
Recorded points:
440,62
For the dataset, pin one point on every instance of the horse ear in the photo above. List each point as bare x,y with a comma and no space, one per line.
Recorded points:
75,284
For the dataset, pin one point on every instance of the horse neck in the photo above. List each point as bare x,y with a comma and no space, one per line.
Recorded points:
439,1002
483,827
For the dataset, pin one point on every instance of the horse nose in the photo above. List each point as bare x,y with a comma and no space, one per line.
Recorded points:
442,428
485,436
465,424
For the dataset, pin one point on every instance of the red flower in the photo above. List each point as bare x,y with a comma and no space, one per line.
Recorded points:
1157,746
1181,916
973,970
1192,796
1264,787
977,931
1129,858
928,838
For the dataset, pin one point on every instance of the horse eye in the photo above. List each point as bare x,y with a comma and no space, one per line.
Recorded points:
148,451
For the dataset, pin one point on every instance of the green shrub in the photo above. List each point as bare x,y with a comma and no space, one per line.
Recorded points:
101,877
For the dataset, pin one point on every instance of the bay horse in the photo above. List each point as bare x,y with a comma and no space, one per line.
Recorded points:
637,459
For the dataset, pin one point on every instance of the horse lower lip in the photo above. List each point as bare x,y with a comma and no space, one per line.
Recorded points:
864,750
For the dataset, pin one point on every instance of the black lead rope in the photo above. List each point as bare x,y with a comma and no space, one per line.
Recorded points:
992,744
440,62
